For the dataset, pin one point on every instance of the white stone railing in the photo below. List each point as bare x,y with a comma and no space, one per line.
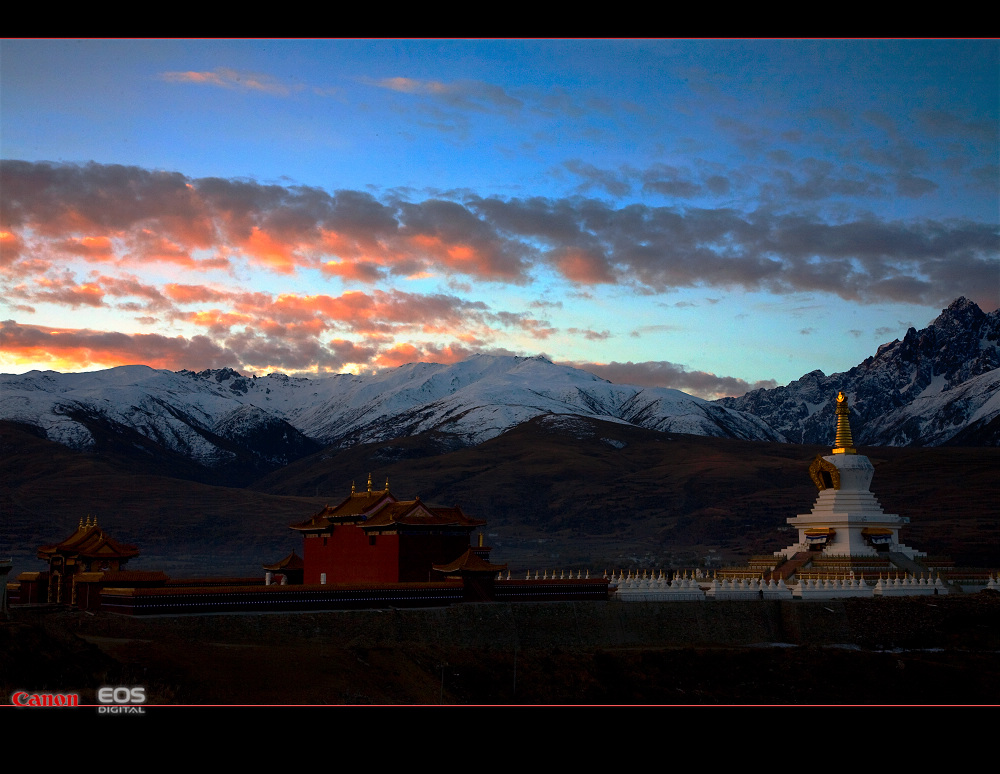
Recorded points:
909,586
694,585
650,586
749,588
832,588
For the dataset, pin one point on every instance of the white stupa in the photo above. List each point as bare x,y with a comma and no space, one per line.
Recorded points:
846,520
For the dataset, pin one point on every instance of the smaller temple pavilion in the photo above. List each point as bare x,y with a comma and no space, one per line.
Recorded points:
288,571
372,537
476,572
846,519
87,550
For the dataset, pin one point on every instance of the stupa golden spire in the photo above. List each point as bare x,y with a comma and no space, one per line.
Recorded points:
843,443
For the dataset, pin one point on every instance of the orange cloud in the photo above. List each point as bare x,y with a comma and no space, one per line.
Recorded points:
110,212
217,320
582,266
192,294
96,248
485,261
273,253
73,349
87,294
360,271
307,329
145,245
11,248
402,354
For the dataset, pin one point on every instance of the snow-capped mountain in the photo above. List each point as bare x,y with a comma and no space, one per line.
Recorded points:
481,397
199,419
936,386
967,414
210,416
929,389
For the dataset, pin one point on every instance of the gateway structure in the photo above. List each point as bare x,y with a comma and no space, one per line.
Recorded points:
846,519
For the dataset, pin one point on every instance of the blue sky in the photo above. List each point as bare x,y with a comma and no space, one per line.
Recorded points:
705,215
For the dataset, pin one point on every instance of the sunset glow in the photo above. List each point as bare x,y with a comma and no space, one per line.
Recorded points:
706,215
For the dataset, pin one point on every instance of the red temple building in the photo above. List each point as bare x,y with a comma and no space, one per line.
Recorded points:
371,537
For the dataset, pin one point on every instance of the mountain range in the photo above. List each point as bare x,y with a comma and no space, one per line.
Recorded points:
936,386
243,426
205,470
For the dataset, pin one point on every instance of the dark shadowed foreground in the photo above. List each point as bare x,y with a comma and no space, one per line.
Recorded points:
939,650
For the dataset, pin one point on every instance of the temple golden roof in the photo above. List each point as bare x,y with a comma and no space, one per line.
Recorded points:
89,541
380,508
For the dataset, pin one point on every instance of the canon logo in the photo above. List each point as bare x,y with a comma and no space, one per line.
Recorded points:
25,699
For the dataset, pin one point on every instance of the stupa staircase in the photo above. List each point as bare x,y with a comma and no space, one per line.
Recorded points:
791,567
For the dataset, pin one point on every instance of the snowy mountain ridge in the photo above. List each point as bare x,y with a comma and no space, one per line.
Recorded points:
935,386
475,400
923,390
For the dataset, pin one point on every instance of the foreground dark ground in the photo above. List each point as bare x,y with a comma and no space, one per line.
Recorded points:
939,650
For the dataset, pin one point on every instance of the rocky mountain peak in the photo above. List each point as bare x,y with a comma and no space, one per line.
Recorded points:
958,346
961,313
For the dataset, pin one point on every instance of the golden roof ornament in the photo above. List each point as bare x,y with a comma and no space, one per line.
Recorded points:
369,482
844,442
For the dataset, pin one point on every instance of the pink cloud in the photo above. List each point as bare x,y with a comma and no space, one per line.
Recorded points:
228,78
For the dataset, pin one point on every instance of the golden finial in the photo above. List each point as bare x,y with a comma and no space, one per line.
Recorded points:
352,487
369,482
386,483
81,523
843,443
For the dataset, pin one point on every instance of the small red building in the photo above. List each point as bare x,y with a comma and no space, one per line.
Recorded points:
371,537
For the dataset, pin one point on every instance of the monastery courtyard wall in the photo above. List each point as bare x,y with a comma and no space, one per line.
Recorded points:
907,622
912,650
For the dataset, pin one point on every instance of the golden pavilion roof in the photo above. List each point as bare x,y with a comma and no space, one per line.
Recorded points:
380,508
89,541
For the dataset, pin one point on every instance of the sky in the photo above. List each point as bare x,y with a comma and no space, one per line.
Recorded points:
708,215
